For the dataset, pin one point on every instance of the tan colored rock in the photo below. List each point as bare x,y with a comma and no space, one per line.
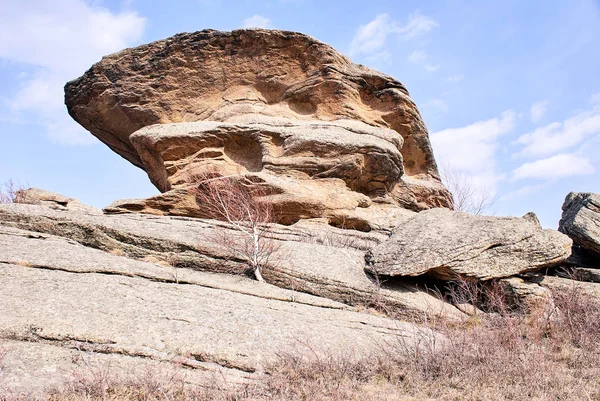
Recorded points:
271,103
446,244
36,196
341,171
527,295
564,285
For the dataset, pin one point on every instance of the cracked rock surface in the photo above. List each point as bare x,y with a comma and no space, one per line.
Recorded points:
581,221
64,301
446,244
334,271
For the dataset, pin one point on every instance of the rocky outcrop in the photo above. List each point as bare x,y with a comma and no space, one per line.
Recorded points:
446,244
330,138
64,296
581,221
325,265
36,196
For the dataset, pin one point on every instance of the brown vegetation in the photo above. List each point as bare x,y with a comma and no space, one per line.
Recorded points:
501,355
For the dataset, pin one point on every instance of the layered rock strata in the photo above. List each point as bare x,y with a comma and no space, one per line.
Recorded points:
344,142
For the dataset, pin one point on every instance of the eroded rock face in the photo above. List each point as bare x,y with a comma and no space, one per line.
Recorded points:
581,221
321,130
446,244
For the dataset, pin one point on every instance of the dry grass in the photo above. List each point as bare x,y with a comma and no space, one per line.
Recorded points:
501,355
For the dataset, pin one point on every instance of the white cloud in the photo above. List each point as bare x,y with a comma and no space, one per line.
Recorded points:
558,136
471,150
256,21
559,166
438,104
61,39
372,37
524,191
537,111
432,68
417,57
455,78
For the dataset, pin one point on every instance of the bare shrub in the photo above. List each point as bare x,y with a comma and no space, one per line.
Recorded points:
10,192
466,196
506,353
578,319
243,204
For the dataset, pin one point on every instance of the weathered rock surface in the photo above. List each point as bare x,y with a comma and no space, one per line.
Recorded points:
36,196
565,285
446,244
527,295
581,220
63,301
331,267
331,138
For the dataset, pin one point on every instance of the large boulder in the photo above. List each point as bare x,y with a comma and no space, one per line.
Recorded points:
446,244
581,221
277,104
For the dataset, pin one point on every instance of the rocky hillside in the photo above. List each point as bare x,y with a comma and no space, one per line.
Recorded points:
360,245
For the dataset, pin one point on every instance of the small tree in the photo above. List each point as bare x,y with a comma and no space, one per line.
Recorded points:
243,204
10,192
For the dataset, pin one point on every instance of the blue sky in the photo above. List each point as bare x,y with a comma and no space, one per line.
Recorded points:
509,90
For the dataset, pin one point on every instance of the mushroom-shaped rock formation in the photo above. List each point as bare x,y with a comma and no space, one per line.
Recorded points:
341,140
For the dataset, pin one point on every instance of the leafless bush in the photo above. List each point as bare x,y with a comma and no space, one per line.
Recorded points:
10,192
245,206
467,197
506,353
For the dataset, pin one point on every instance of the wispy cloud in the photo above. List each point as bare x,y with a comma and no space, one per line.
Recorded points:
455,78
559,136
45,34
417,57
432,68
439,104
256,21
372,37
559,166
472,149
538,111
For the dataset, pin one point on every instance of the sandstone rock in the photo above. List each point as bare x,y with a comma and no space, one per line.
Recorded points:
581,220
36,196
326,134
526,295
446,244
564,285
300,263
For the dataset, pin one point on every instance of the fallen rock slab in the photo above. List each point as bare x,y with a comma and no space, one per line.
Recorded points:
446,244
